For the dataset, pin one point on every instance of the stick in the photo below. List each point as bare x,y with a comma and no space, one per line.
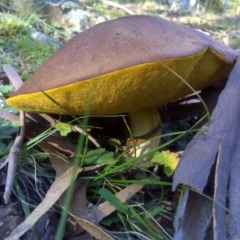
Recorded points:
13,157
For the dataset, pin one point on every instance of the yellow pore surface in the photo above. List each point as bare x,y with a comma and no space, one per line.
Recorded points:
134,88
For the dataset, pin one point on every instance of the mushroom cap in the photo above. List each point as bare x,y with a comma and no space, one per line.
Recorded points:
123,65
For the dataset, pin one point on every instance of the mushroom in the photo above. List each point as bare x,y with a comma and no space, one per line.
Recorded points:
129,65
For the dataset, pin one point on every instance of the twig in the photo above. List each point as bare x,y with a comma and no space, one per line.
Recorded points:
13,157
80,130
33,129
8,8
117,5
4,164
13,76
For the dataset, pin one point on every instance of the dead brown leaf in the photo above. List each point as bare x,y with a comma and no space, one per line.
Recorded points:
218,144
63,179
106,208
87,218
95,231
79,206
13,76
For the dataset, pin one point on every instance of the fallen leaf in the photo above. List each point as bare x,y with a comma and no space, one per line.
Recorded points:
95,231
113,200
79,206
13,76
219,144
106,208
198,210
63,179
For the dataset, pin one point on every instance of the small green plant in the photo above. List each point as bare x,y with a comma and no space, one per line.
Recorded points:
168,160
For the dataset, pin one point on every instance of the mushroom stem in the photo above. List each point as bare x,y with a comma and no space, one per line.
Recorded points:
144,125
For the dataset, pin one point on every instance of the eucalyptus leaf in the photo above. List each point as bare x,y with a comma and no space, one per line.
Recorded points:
113,200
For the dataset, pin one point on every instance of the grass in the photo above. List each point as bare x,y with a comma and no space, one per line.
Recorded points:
113,177
146,215
18,48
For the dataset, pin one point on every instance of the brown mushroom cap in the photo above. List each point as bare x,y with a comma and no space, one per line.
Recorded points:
119,66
